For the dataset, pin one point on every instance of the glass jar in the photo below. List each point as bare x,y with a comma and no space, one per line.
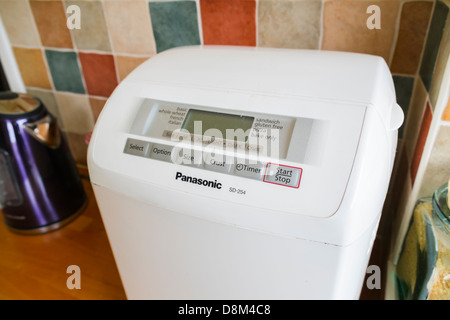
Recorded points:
423,266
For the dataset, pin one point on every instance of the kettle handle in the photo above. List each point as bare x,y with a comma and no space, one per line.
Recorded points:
45,131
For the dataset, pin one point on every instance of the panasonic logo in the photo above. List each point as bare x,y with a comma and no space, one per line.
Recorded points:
201,182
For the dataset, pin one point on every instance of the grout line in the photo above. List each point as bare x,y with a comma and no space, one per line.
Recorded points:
322,26
257,23
77,51
199,21
426,41
396,33
44,56
30,11
403,75
113,51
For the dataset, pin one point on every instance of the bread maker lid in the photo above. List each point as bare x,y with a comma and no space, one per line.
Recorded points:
13,105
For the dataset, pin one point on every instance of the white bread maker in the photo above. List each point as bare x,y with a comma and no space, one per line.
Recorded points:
287,208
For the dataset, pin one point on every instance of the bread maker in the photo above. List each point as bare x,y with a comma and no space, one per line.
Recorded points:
245,173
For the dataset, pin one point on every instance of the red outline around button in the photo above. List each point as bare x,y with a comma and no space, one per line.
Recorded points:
280,184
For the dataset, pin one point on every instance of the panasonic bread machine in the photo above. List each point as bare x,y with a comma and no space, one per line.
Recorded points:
245,173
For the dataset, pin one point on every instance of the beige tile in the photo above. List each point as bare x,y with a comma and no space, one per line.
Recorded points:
438,169
32,67
442,61
345,27
415,114
126,64
289,24
93,34
129,26
19,24
75,112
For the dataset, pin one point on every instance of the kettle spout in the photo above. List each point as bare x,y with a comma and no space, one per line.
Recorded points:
45,131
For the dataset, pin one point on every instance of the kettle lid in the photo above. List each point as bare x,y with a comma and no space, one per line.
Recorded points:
14,104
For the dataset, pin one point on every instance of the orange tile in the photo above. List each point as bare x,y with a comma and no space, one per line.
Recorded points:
345,28
126,64
446,114
229,22
32,67
96,106
99,73
421,140
411,36
51,22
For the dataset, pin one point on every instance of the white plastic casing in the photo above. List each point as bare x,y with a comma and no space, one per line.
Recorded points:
311,241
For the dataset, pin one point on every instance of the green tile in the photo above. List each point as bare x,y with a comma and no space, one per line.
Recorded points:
433,42
174,24
65,71
403,90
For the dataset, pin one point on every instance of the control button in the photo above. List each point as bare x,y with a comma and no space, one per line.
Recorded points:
249,170
161,152
218,162
187,156
283,175
137,147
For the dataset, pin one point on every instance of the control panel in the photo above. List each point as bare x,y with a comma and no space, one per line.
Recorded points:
244,144
242,167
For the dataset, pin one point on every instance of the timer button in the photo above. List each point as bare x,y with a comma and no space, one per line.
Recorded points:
244,168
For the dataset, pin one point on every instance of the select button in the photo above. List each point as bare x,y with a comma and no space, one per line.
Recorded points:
136,147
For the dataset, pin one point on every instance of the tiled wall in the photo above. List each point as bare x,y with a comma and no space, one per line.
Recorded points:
74,71
425,147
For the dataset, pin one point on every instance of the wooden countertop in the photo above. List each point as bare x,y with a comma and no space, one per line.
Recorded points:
35,266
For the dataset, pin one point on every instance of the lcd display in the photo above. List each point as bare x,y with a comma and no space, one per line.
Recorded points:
214,120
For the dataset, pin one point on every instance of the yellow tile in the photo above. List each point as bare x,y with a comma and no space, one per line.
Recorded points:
32,67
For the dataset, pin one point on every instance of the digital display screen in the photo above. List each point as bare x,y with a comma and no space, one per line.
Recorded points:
214,120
